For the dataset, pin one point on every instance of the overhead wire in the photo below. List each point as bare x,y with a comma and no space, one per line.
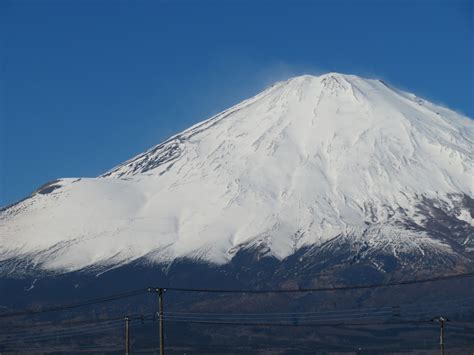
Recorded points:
328,318
137,292
305,324
77,325
88,302
458,303
320,289
52,335
394,311
78,330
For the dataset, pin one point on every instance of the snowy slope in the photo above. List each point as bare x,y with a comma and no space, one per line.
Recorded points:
304,161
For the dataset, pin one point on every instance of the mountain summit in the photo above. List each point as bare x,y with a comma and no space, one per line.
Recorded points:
320,163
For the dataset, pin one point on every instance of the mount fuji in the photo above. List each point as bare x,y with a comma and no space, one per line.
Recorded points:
314,172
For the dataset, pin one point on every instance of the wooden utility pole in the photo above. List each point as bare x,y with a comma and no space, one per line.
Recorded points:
160,292
442,321
127,336
160,315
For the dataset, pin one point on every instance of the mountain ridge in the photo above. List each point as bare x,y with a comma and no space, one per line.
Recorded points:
303,162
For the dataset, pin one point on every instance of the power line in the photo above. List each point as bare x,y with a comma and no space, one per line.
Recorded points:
298,324
65,348
321,289
414,309
302,319
291,316
297,319
213,348
343,314
52,335
91,327
59,326
63,307
288,318
85,329
56,327
457,302
137,292
411,307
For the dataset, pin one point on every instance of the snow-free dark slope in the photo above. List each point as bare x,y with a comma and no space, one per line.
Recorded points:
337,168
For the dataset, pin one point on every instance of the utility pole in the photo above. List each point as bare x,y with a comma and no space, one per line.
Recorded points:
127,336
160,315
160,292
442,321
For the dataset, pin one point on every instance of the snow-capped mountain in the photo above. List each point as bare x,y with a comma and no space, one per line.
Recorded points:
333,162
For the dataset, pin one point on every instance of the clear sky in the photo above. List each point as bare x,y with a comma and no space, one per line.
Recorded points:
86,84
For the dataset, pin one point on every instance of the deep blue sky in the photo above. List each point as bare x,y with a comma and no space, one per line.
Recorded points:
88,84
